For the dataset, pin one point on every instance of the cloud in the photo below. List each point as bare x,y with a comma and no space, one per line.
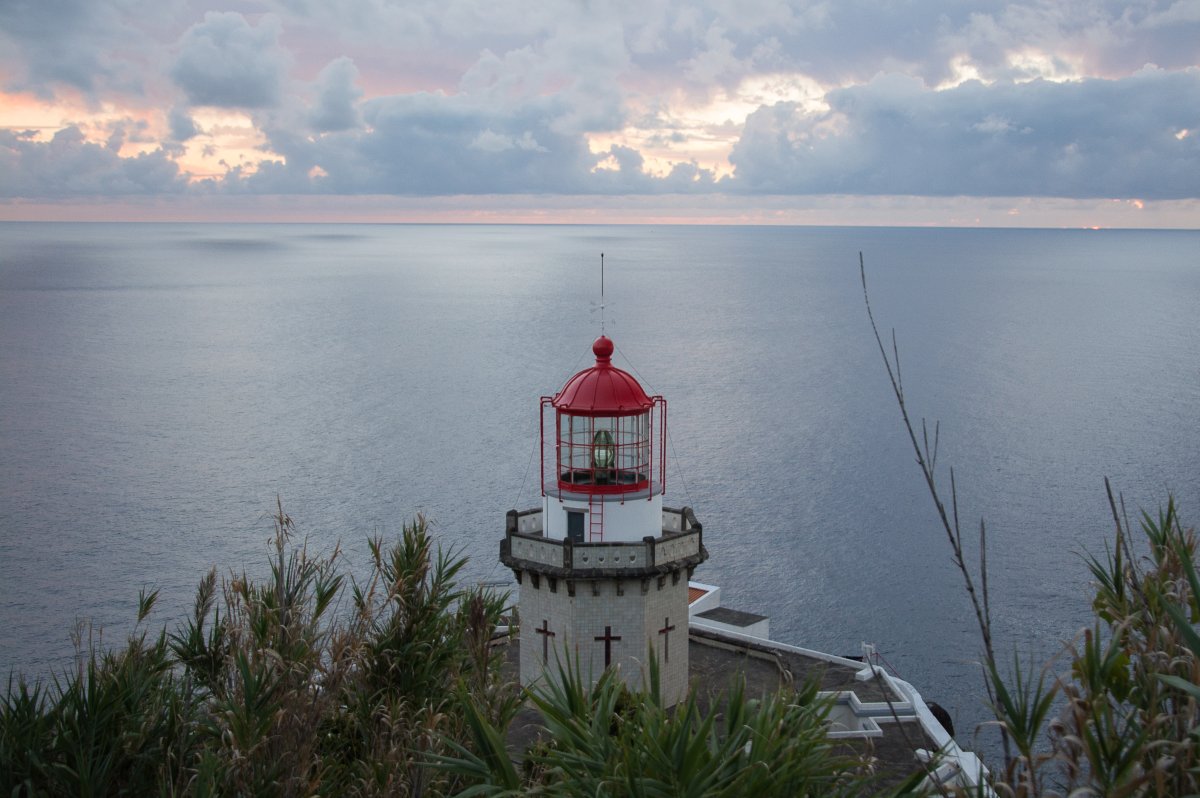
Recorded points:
490,141
517,122
183,127
226,62
499,97
337,95
70,166
1093,138
579,66
429,143
61,43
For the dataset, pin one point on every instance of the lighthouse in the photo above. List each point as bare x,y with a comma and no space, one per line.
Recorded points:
602,566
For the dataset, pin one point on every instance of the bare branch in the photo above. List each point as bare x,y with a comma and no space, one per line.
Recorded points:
896,358
954,508
983,571
926,459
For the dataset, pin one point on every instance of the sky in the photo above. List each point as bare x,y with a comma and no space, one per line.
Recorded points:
1067,113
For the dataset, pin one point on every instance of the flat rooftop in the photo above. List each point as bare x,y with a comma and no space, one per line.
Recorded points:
731,617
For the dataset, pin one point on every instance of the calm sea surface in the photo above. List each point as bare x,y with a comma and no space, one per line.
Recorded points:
161,384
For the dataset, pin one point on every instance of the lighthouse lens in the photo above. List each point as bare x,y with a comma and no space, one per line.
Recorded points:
604,452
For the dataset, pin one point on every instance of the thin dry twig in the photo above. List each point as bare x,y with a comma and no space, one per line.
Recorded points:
926,460
926,463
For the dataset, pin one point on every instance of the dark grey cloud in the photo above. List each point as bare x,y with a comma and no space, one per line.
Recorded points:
1134,137
70,166
226,62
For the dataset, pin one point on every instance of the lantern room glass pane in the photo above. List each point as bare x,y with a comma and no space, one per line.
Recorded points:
604,450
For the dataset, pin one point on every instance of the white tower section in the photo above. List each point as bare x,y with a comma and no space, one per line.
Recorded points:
602,566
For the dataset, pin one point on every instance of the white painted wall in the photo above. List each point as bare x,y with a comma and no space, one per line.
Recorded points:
709,601
760,630
630,520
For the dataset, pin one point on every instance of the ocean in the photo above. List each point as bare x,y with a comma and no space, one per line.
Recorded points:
162,384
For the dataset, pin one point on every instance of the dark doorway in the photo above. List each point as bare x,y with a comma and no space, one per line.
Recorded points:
575,526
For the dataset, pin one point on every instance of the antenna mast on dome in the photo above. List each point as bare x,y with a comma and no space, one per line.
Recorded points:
602,305
602,293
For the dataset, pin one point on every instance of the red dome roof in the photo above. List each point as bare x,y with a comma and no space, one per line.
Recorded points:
602,390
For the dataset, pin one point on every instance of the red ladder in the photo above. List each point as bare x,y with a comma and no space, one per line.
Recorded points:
595,518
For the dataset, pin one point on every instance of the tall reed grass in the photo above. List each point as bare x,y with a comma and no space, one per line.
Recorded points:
1118,713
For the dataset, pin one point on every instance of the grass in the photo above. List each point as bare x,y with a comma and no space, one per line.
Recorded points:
1118,712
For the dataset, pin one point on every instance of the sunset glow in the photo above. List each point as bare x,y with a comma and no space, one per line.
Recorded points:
777,105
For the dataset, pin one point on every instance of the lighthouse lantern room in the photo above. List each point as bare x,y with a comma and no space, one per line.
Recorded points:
608,454
602,566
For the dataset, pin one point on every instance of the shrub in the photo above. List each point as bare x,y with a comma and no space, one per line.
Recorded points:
271,688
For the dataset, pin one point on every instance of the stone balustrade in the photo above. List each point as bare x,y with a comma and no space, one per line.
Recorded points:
680,545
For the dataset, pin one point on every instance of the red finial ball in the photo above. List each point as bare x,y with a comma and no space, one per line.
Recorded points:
603,349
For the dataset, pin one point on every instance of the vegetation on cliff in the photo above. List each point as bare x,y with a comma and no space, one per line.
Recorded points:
285,688
272,688
277,688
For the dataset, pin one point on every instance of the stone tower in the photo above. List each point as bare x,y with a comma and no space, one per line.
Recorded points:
602,566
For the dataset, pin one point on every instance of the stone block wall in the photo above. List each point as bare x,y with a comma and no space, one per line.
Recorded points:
638,611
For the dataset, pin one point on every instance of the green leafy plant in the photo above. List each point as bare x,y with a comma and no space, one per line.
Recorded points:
605,740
